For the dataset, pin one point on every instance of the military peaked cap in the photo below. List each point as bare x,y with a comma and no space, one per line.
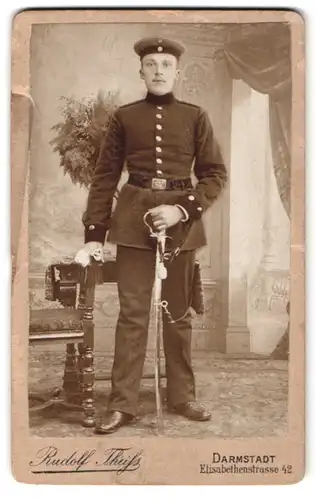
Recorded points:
158,45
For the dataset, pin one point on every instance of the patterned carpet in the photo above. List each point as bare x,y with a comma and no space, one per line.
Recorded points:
247,398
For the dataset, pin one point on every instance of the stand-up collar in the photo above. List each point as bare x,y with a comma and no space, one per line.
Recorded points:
160,99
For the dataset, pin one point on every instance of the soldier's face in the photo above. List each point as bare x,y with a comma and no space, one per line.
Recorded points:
159,72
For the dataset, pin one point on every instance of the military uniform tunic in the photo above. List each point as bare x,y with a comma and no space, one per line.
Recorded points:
164,139
155,137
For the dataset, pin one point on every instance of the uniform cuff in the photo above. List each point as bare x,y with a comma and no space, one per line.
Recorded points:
191,205
186,216
94,233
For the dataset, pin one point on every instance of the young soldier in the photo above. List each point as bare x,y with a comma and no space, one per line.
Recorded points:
159,138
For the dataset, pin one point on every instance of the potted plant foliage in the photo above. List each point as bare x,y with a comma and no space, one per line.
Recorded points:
78,136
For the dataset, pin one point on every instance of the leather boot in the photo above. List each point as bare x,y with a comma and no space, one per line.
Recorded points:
192,411
112,421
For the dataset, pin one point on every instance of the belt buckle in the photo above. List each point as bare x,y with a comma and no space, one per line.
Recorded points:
158,184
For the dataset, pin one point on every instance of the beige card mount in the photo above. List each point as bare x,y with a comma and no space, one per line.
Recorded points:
245,69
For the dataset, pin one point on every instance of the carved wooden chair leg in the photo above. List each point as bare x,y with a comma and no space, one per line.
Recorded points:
87,378
71,383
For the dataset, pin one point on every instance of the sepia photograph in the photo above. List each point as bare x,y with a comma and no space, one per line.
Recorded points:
196,126
159,227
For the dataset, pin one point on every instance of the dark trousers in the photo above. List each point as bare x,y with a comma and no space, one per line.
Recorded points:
136,272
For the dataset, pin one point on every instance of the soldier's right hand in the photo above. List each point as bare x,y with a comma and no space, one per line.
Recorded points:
91,249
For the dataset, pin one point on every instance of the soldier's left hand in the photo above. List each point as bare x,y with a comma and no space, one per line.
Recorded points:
165,216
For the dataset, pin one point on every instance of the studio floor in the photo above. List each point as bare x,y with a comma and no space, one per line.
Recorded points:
247,398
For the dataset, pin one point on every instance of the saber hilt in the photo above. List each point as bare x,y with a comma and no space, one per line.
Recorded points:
161,269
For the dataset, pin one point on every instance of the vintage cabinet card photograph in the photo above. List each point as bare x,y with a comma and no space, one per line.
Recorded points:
157,161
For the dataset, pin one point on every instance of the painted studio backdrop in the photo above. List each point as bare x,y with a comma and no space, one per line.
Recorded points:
241,75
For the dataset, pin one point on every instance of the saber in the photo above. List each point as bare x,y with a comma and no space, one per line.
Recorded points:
160,274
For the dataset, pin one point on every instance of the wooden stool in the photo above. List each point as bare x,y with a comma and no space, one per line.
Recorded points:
73,289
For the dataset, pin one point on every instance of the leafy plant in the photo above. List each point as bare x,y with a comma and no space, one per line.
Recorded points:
79,135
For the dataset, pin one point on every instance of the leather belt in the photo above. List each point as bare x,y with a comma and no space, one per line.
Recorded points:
159,183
